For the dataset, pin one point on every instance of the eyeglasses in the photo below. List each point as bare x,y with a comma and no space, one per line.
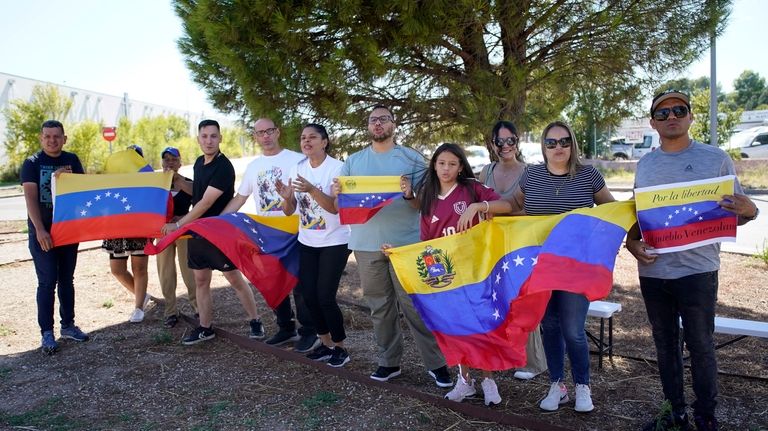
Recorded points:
271,131
662,114
384,119
551,143
511,141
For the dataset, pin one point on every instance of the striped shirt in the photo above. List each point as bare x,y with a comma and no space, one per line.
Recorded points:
546,193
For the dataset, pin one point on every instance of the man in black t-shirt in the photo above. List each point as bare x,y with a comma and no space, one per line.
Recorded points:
55,266
212,188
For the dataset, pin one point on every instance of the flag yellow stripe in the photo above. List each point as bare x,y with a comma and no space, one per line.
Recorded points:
369,184
288,224
681,194
71,183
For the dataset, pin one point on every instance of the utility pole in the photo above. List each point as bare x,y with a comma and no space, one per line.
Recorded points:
712,92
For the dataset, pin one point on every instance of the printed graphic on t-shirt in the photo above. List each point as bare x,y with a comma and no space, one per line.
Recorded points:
460,207
46,195
265,181
311,212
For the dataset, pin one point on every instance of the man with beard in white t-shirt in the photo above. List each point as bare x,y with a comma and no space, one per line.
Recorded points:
259,181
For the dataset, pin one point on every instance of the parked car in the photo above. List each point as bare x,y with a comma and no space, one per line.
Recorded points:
621,149
752,143
477,156
650,142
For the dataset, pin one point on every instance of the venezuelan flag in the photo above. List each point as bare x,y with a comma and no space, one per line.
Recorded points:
126,162
482,292
264,249
362,197
681,216
88,207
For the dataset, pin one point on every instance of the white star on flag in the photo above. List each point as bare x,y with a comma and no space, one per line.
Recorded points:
98,197
88,204
83,212
117,195
498,278
127,207
108,194
246,221
493,294
701,218
124,200
505,266
534,260
677,211
496,315
519,260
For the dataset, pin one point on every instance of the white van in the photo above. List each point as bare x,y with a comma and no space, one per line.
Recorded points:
650,142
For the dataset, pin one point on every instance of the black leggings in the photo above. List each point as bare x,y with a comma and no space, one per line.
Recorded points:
320,270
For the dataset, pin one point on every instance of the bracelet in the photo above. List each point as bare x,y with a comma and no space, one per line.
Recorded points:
487,206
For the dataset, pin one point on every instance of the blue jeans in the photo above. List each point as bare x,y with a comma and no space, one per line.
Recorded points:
55,267
563,327
691,298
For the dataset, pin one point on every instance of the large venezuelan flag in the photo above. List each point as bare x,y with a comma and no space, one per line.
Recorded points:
88,207
681,216
362,197
264,249
482,292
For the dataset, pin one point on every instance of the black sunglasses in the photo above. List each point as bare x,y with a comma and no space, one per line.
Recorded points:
662,114
511,141
551,143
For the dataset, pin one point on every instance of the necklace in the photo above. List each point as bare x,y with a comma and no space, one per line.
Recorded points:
556,186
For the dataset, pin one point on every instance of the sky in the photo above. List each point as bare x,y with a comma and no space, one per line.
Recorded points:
116,47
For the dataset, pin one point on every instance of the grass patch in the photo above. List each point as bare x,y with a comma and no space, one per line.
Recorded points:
617,175
6,330
314,404
162,338
45,416
108,304
214,411
754,178
763,254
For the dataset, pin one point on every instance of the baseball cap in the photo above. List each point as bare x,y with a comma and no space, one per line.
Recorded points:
670,94
137,149
172,150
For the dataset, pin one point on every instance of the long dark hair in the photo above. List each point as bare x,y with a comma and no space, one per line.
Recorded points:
320,129
431,186
504,124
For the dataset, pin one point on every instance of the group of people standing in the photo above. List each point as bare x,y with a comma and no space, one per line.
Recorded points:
439,198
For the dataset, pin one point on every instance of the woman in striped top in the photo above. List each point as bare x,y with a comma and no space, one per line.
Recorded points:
560,185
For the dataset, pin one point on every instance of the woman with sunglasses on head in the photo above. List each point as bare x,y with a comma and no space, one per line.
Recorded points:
559,185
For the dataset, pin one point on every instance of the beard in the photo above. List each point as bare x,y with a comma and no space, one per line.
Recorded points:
383,136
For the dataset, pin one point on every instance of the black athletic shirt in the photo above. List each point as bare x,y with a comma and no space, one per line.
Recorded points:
219,174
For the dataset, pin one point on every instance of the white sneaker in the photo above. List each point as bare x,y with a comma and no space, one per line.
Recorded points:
525,375
461,390
583,399
558,394
137,316
490,392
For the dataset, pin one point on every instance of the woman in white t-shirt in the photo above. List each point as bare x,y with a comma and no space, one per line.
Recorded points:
322,241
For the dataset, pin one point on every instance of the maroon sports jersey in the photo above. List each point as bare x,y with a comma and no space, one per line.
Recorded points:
443,220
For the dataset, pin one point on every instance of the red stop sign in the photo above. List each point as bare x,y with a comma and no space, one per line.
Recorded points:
109,133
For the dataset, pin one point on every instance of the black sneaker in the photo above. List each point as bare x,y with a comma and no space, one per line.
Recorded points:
340,357
383,374
74,333
257,330
442,377
668,421
171,321
283,337
321,353
199,334
306,343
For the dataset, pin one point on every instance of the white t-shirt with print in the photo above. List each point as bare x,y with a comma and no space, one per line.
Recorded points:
260,177
318,227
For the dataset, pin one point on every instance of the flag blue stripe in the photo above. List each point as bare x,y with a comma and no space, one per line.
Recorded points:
470,309
680,215
107,202
276,242
584,229
365,200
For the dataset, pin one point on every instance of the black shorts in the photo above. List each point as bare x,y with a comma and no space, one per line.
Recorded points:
201,254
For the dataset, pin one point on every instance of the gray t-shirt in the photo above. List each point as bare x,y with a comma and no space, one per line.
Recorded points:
696,162
398,222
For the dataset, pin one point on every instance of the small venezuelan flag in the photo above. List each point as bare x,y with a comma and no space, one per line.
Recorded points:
362,197
681,216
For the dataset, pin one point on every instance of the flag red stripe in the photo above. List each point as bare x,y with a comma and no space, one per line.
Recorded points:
555,272
691,233
134,225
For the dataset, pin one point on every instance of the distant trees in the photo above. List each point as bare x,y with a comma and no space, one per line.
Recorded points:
750,91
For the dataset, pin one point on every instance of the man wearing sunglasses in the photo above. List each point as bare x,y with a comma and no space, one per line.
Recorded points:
683,283
259,181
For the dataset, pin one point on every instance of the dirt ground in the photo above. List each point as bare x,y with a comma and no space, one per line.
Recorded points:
139,376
